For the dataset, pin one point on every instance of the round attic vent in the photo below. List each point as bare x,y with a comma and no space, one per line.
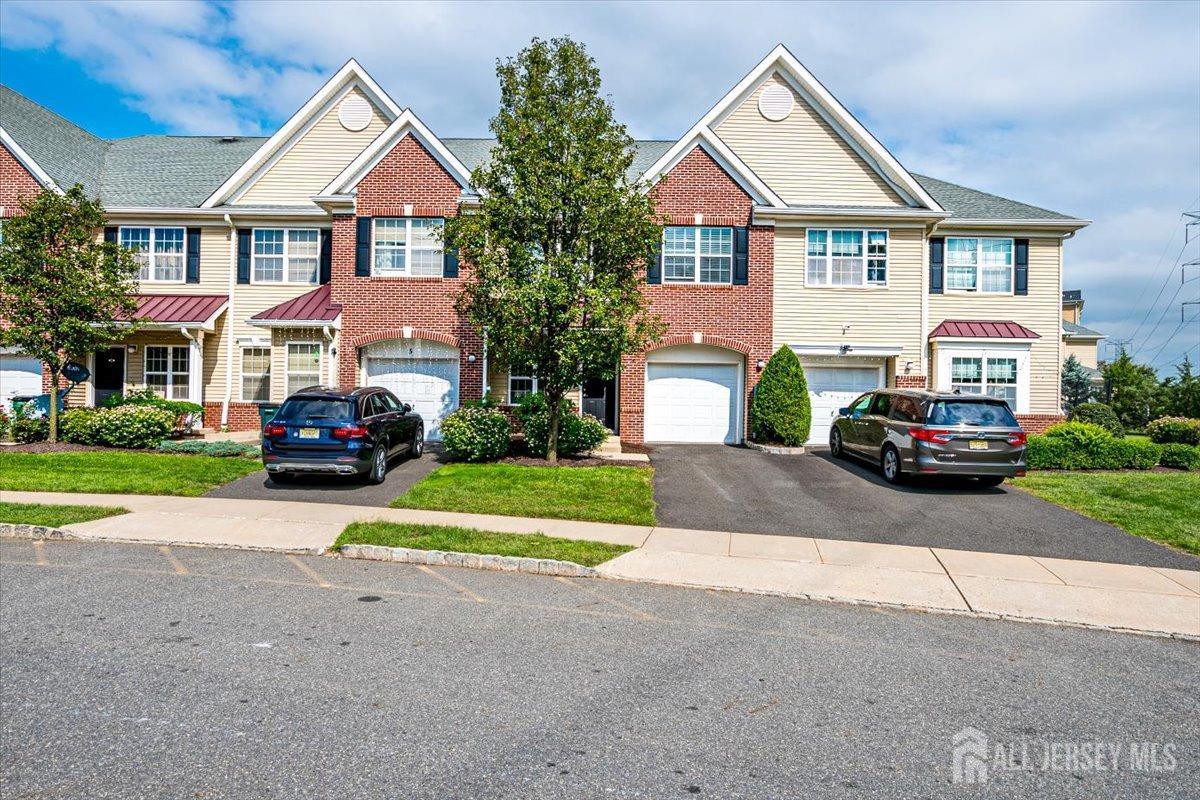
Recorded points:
354,113
776,102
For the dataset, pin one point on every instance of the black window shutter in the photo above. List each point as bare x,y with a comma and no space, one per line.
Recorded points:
1021,266
654,263
110,235
193,255
362,247
326,255
741,256
450,263
937,264
243,257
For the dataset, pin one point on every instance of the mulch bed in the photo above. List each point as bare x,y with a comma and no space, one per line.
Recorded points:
47,447
569,461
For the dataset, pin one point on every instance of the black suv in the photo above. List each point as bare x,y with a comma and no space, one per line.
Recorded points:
340,432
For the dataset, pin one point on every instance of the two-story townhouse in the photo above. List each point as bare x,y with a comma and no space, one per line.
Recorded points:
1078,339
314,256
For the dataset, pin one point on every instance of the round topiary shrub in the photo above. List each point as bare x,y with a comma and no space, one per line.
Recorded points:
1180,456
1174,430
1098,414
576,434
1081,435
476,434
781,412
78,425
137,427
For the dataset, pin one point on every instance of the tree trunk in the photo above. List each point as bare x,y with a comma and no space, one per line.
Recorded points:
53,404
552,435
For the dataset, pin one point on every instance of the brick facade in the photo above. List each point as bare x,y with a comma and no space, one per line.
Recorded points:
734,317
1038,423
408,179
242,416
15,182
911,381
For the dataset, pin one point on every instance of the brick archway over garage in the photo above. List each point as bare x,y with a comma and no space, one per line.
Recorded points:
712,341
399,333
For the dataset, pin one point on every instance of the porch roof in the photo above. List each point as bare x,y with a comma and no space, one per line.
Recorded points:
314,306
180,309
982,329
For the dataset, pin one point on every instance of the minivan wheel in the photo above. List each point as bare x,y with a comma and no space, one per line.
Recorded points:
378,465
835,443
889,465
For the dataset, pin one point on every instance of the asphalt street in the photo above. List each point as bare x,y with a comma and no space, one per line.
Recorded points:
143,672
713,487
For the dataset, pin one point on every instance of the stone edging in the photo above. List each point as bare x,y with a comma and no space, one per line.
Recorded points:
776,449
22,531
441,558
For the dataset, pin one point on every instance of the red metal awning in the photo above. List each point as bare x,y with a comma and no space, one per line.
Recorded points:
314,306
183,309
982,329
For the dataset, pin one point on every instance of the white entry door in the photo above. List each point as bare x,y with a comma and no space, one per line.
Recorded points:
692,403
832,388
427,379
19,376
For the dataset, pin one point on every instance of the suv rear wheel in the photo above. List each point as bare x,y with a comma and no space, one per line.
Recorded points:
378,465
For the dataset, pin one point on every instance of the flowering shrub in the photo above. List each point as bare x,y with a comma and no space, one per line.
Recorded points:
133,426
26,429
576,434
475,433
79,425
1174,430
187,415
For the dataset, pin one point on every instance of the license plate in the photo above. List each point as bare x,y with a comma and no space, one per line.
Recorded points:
979,444
315,433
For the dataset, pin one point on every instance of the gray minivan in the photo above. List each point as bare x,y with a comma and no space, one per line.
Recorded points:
912,432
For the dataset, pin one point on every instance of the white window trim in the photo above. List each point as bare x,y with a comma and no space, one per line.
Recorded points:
170,373
287,372
696,255
243,373
511,375
1012,268
151,254
286,256
408,250
1020,351
828,259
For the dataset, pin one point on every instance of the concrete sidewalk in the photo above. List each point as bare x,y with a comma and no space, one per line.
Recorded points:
1114,596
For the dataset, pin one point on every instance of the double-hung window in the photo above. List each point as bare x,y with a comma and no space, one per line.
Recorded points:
846,258
286,255
303,365
167,371
697,255
990,375
408,246
158,251
521,385
976,264
256,374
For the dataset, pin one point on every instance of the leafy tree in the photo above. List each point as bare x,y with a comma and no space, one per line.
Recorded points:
1132,391
1076,383
557,248
782,410
61,290
1181,396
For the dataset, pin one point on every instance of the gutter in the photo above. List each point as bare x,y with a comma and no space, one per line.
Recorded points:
229,322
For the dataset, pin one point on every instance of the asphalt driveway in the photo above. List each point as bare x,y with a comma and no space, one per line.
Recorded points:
403,472
713,487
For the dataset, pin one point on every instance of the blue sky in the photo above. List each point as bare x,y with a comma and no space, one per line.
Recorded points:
1089,109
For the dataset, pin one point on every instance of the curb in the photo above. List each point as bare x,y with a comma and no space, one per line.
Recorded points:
441,558
16,530
10,530
776,449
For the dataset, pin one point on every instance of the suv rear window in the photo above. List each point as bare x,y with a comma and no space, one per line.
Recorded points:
297,408
982,413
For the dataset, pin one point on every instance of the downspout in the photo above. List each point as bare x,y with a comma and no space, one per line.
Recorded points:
487,387
229,326
331,370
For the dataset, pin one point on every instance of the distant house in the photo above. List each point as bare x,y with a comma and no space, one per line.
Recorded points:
1079,341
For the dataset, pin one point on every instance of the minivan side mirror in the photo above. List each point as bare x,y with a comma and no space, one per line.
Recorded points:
844,411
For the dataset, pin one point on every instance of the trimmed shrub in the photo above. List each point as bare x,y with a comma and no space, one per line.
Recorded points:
1174,430
133,426
219,449
1106,452
475,433
1098,414
27,429
781,412
1180,456
577,434
187,415
79,425
1084,435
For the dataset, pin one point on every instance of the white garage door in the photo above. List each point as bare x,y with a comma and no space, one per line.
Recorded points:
692,403
19,375
423,374
831,388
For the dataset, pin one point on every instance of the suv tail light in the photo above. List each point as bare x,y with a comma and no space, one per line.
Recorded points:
1018,439
349,432
274,430
930,435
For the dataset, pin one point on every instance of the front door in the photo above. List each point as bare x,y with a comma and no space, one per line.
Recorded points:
109,375
600,400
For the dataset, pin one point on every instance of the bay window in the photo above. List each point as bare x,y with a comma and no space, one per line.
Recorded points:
286,255
697,255
990,374
159,253
846,258
978,264
256,374
408,246
166,371
303,366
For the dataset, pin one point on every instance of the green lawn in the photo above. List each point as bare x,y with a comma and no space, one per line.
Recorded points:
594,494
471,540
54,516
1156,505
119,472
1137,438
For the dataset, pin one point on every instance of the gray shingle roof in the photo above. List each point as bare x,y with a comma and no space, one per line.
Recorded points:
474,152
67,152
974,204
176,171
1071,329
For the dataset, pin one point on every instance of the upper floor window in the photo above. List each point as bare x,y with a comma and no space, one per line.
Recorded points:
981,265
158,251
286,255
846,258
408,246
697,255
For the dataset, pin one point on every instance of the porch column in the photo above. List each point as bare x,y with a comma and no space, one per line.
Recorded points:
196,368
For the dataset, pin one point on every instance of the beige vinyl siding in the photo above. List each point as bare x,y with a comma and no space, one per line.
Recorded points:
879,316
498,387
802,158
313,161
280,338
1040,311
1084,352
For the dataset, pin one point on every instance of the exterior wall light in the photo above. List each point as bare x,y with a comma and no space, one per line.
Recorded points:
760,364
470,358
131,348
